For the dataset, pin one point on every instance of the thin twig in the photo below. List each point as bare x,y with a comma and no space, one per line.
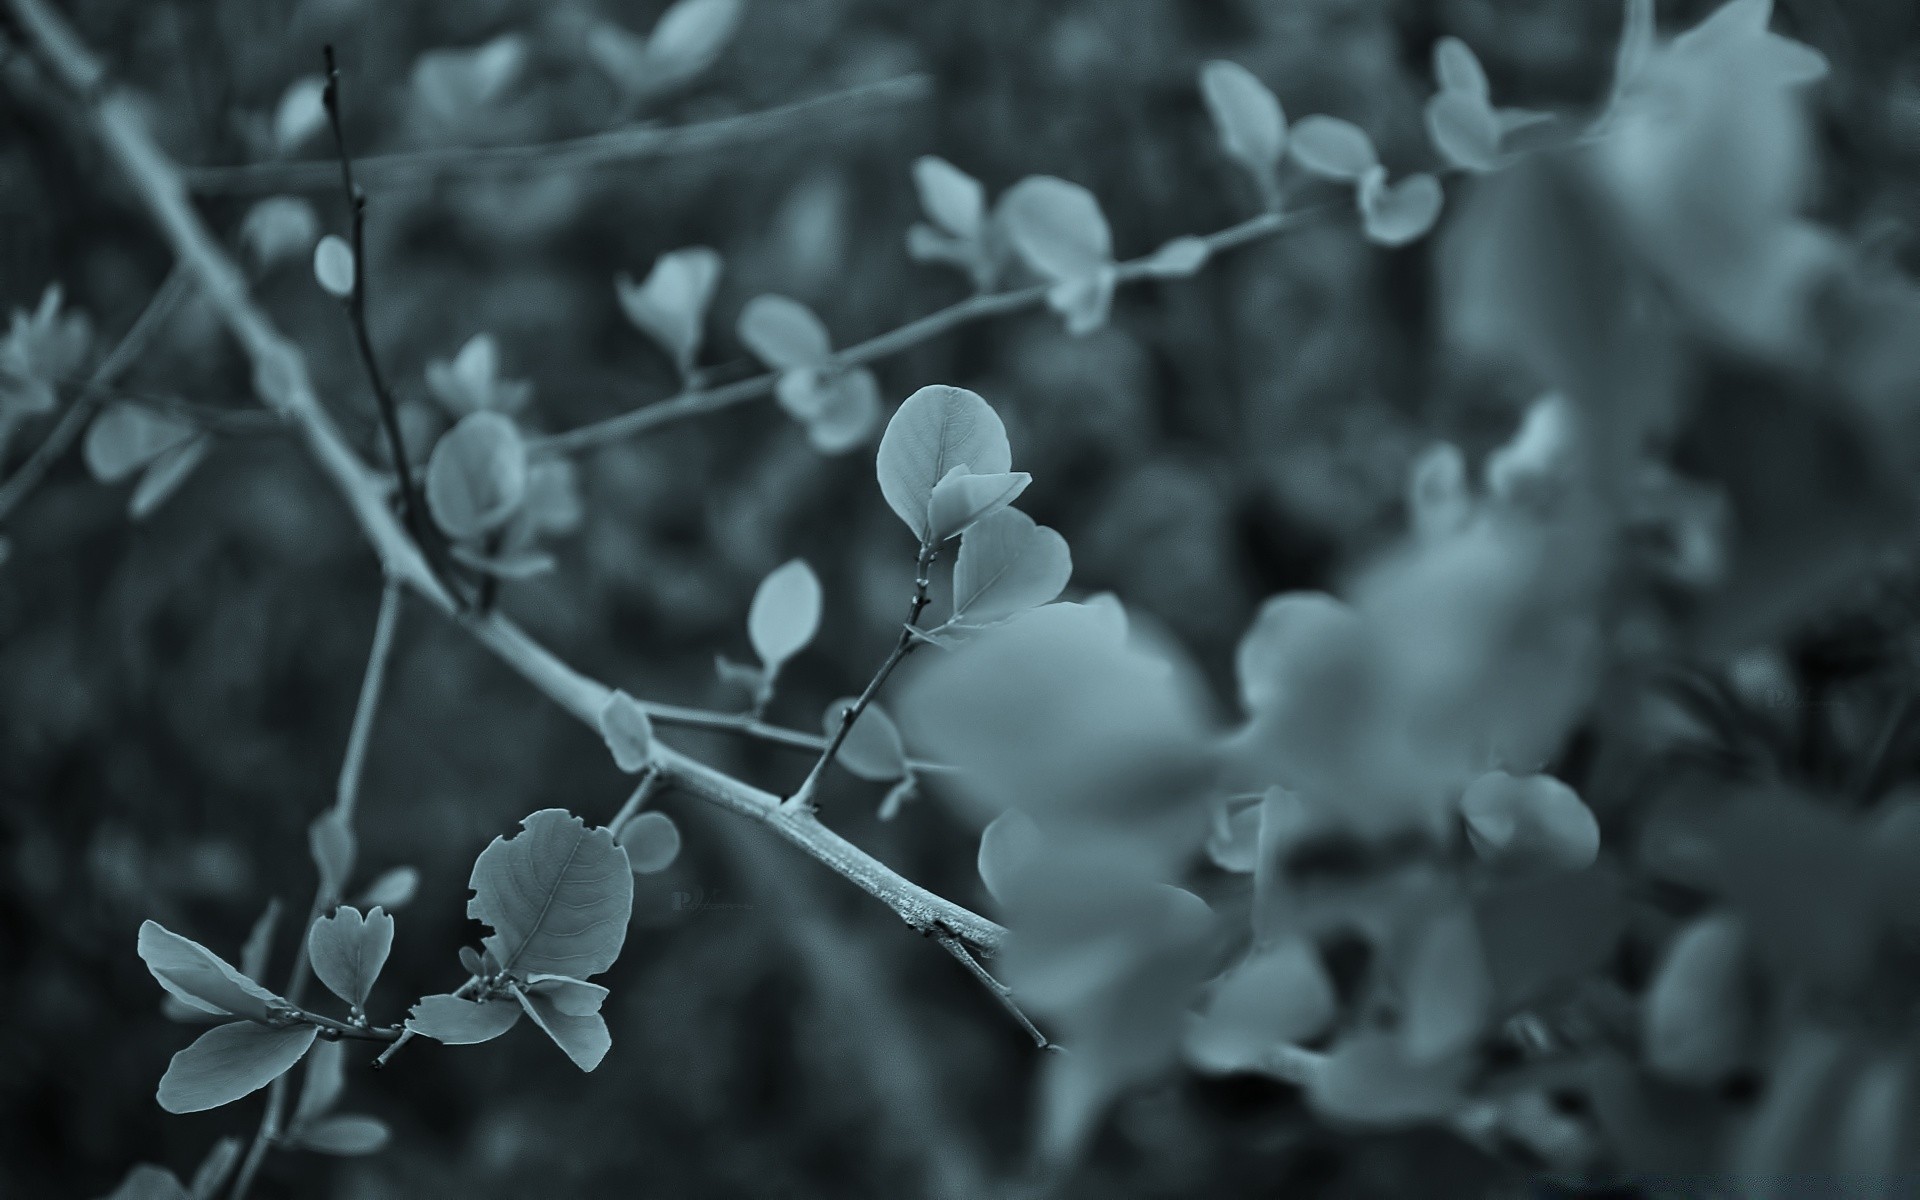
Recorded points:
650,780
131,346
628,144
802,797
746,724
1001,992
353,766
699,402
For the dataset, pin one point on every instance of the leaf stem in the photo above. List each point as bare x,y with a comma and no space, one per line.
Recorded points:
1001,992
650,780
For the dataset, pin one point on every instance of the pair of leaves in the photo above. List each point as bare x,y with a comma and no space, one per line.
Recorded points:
945,462
1462,122
477,476
1007,564
41,349
957,229
686,40
1392,214
566,1009
471,381
670,305
1059,231
837,405
165,449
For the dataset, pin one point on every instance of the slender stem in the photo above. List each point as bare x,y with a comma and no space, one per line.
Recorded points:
627,144
353,765
650,781
746,724
131,346
699,402
803,797
1001,992
363,1033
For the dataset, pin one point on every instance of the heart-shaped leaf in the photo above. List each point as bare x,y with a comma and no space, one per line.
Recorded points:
1084,299
461,1022
1465,130
126,437
652,842
1057,227
477,475
557,895
1401,213
670,306
349,950
628,732
953,199
1007,564
933,431
230,1061
584,1038
873,749
201,979
961,498
783,333
333,266
1332,147
837,408
349,1134
471,382
785,613
1247,116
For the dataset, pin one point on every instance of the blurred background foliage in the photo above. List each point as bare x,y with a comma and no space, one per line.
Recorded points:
175,693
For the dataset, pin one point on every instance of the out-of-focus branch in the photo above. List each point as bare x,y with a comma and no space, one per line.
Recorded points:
835,111
281,378
964,312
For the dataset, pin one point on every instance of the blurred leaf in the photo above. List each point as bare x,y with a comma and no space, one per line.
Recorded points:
322,1082
652,842
1696,1017
279,229
962,497
471,382
516,565
1177,259
148,1182
392,890
690,35
1057,227
300,114
230,1061
477,475
166,473
1439,499
628,732
1009,847
1465,130
785,613
200,978
873,749
671,305
584,1038
459,1022
1793,871
1447,995
1332,147
838,408
41,350
1247,116
1084,300
259,944
333,266
1402,213
347,1134
348,951
1278,995
1541,934
221,1158
1457,69
335,850
933,431
1007,564
1367,1079
1532,821
952,198
557,896
126,437
456,86
783,333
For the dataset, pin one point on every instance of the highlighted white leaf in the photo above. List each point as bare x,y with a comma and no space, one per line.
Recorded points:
652,842
1247,116
1057,227
933,431
1332,147
557,895
628,732
333,266
670,306
689,37
461,1022
477,475
1465,130
1402,213
873,750
230,1061
300,114
1008,564
348,951
201,979
393,890
785,613
1457,69
961,498
574,997
279,228
952,198
783,333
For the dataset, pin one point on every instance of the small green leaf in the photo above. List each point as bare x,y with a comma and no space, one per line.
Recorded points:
477,475
323,1081
1402,213
335,850
201,979
584,1038
393,890
628,732
221,1158
349,1134
279,228
300,113
1465,130
784,333
1008,564
873,749
1057,227
164,477
1247,116
148,1182
1457,69
471,382
557,895
689,37
652,842
670,306
230,1061
961,498
953,199
785,613
126,437
460,1022
933,431
348,951
1332,147
1010,846
333,266
1179,258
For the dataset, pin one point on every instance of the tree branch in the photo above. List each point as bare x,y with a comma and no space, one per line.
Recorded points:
281,378
630,144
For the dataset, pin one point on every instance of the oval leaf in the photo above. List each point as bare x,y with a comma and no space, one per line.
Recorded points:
935,430
690,36
873,749
1248,117
201,979
952,198
165,476
335,850
1402,213
1465,130
322,1082
461,1022
1057,227
783,333
230,1061
652,842
1010,846
126,437
349,1134
557,895
1696,1018
333,266
1447,990
671,305
477,475
392,890
1457,69
785,613
1533,821
1332,147
628,732
1279,995
349,950
1008,564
